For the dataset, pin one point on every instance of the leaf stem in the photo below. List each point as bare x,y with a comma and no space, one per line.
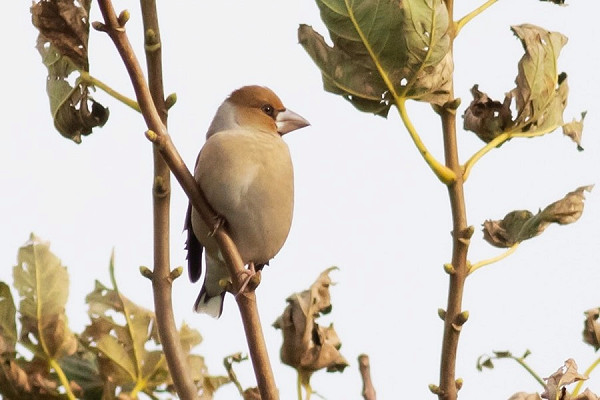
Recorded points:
523,364
444,174
587,373
497,141
62,377
492,260
464,20
87,78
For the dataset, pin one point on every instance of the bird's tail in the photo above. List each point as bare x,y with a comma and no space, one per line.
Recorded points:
211,296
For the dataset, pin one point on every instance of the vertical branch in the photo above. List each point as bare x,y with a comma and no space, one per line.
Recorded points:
161,196
454,317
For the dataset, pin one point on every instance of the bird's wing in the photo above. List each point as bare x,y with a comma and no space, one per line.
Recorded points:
193,247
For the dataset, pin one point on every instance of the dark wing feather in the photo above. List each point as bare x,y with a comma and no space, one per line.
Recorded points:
193,247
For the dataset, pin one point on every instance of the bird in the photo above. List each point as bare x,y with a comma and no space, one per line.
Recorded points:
245,172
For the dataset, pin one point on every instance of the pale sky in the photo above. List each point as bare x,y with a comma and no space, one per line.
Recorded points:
365,201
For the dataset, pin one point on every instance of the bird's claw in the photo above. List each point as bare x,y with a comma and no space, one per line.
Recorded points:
251,280
219,222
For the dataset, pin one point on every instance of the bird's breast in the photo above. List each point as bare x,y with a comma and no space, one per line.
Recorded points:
247,177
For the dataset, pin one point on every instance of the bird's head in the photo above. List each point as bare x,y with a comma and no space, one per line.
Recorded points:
256,107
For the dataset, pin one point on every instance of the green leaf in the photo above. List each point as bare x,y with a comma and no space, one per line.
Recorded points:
43,286
63,45
8,325
382,51
521,225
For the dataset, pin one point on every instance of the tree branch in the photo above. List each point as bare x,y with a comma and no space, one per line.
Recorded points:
161,199
162,141
454,316
364,367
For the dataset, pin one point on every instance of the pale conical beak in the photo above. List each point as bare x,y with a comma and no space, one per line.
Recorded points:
288,121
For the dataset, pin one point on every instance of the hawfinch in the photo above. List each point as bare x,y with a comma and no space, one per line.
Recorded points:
245,172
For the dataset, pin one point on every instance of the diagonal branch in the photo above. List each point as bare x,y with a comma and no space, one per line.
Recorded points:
158,134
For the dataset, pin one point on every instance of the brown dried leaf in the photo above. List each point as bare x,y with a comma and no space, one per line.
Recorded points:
62,43
307,346
574,130
538,78
591,328
486,117
540,94
14,382
586,395
522,224
66,26
556,382
525,396
8,325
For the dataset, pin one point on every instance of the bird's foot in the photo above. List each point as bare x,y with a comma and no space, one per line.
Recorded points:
251,279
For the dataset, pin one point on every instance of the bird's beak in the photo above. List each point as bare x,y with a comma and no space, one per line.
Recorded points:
288,121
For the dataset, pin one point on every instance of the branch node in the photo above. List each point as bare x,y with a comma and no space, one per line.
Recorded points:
152,42
146,272
469,232
123,18
154,137
442,314
464,241
176,273
459,383
461,318
449,268
452,105
99,26
160,189
170,100
435,389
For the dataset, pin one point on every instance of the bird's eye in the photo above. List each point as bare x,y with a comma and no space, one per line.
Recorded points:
268,109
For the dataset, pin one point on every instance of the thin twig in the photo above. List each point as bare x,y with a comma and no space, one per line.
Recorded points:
464,20
157,133
497,141
444,174
479,264
89,79
364,367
